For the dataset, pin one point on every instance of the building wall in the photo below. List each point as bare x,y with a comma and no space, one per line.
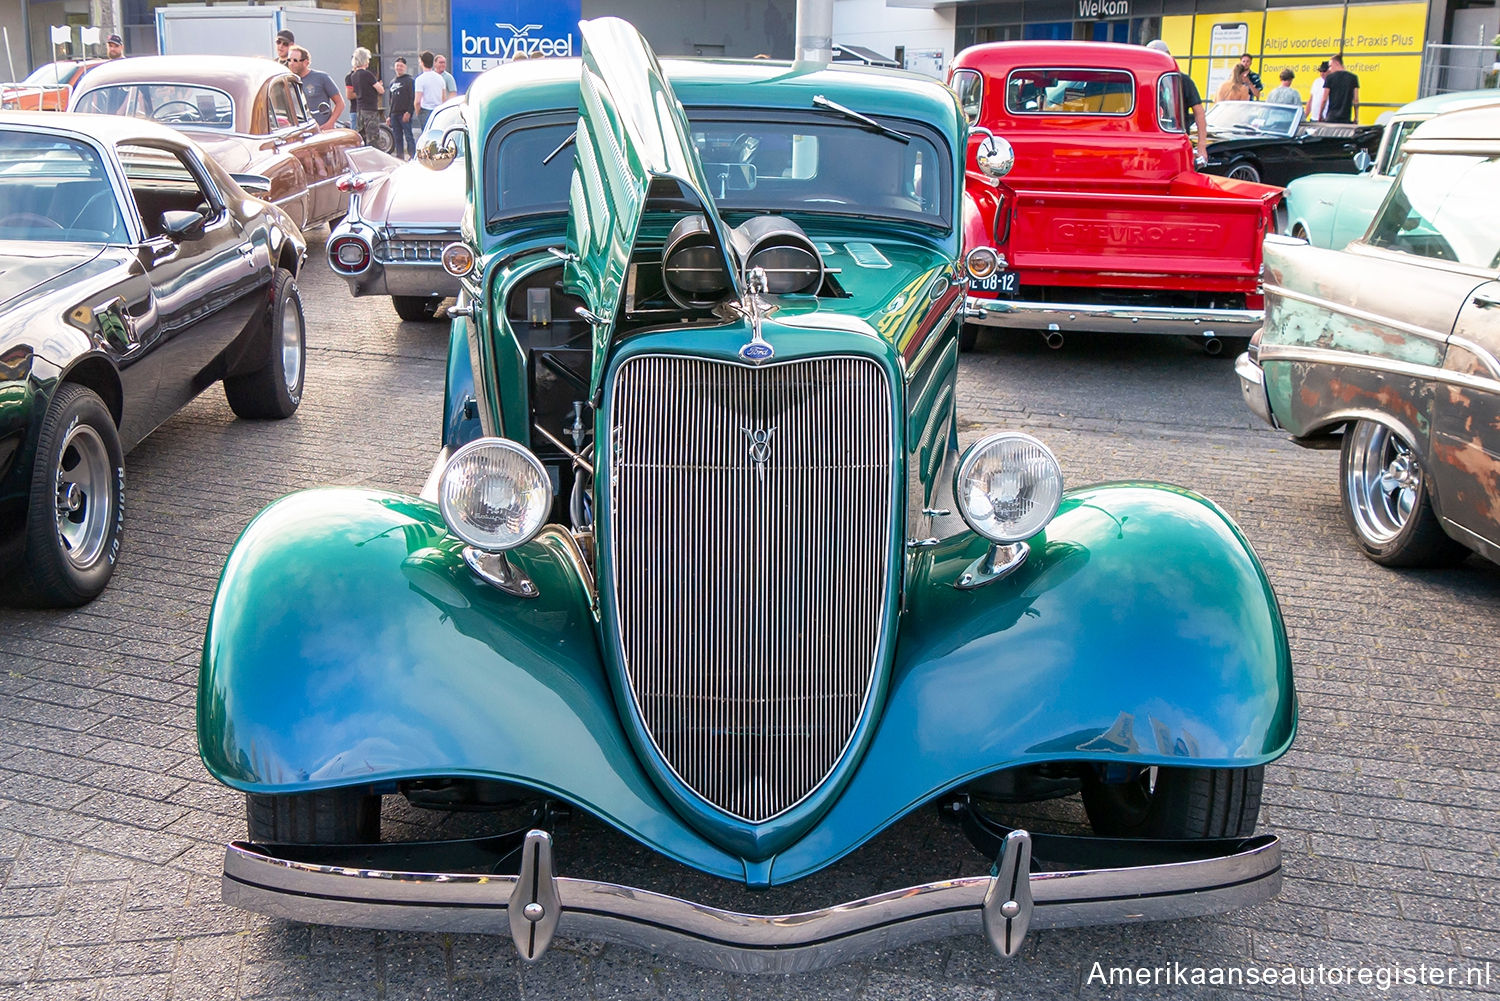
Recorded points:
13,20
887,29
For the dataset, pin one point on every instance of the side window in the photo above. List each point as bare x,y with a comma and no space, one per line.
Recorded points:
1169,109
969,86
163,181
280,104
298,101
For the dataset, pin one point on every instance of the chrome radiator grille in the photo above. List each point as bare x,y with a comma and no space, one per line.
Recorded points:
751,512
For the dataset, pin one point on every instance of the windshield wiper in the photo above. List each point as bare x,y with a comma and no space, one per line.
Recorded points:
572,137
822,102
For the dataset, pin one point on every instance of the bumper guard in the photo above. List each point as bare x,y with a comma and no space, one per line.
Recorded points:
508,884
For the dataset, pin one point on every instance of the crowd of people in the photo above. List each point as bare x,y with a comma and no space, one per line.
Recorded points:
1334,94
409,101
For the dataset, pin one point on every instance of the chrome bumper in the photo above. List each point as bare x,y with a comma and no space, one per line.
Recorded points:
1112,319
417,278
1253,388
370,887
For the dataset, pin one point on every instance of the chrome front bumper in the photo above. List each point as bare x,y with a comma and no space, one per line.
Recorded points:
373,887
1253,388
416,278
1069,318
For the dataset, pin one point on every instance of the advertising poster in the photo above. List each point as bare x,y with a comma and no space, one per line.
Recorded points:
1381,44
487,33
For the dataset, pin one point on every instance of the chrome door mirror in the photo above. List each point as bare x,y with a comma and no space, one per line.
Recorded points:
435,154
994,156
1362,161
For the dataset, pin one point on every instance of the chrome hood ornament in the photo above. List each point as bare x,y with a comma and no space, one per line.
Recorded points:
755,309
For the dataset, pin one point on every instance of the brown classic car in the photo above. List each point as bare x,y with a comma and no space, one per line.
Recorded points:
248,114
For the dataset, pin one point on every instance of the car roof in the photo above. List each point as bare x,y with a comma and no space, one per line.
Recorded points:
106,128
552,83
993,56
240,76
1437,104
1473,130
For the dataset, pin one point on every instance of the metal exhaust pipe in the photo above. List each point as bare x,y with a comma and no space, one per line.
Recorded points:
1054,339
1213,347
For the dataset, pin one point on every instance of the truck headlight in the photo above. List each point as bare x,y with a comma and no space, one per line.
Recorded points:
494,494
1008,487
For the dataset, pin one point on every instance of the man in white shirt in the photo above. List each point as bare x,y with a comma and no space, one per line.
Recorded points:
1317,101
430,90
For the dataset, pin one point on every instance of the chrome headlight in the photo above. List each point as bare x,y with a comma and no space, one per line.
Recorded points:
1008,487
494,494
982,262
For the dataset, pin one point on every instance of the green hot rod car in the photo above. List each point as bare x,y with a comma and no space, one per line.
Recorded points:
701,558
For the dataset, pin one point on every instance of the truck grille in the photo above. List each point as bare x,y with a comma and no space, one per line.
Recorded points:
751,514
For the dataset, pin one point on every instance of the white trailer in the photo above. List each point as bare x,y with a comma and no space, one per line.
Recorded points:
189,29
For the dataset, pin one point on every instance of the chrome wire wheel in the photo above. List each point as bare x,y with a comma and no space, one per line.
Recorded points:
85,496
1382,480
1244,172
291,349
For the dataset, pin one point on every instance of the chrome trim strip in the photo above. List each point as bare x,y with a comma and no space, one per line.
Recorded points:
1349,359
256,879
1113,319
718,474
1359,314
1364,249
1478,351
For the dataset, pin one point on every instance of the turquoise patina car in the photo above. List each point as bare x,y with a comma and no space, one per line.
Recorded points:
1333,210
701,558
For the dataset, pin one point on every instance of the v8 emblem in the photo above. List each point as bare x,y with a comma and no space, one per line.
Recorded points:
760,444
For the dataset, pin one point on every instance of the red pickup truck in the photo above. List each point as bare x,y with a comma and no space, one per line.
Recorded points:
1102,223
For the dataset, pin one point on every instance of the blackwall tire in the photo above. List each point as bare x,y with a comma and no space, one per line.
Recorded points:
75,512
1176,803
417,308
274,391
333,817
1244,171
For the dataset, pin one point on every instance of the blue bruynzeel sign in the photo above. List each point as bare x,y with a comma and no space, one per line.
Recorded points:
487,33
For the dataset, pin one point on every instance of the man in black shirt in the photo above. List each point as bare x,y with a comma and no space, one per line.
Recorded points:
402,92
1192,103
367,90
1256,88
1342,88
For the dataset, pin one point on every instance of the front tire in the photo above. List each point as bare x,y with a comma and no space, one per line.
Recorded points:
331,817
416,308
968,337
1386,501
1244,171
76,508
274,391
1176,803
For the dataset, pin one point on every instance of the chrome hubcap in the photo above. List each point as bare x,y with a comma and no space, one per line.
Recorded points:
85,500
1383,480
291,347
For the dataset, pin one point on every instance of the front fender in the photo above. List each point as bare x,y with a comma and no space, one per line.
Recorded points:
1141,630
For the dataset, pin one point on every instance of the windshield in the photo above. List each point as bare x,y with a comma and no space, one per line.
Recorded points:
780,163
51,74
1394,153
1254,116
175,104
55,189
1442,206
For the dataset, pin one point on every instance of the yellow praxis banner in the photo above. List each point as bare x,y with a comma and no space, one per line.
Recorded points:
1381,43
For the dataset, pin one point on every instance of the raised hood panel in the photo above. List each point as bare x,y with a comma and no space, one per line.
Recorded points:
632,131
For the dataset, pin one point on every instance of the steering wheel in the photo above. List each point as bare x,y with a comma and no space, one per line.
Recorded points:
31,219
189,105
747,144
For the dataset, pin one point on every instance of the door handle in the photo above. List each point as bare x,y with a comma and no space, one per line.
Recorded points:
1484,300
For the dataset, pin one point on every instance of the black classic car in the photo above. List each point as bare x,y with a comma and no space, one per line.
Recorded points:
1256,141
134,272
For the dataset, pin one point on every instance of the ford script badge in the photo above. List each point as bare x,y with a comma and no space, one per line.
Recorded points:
757,351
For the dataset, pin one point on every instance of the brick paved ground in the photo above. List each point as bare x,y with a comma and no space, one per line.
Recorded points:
111,832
